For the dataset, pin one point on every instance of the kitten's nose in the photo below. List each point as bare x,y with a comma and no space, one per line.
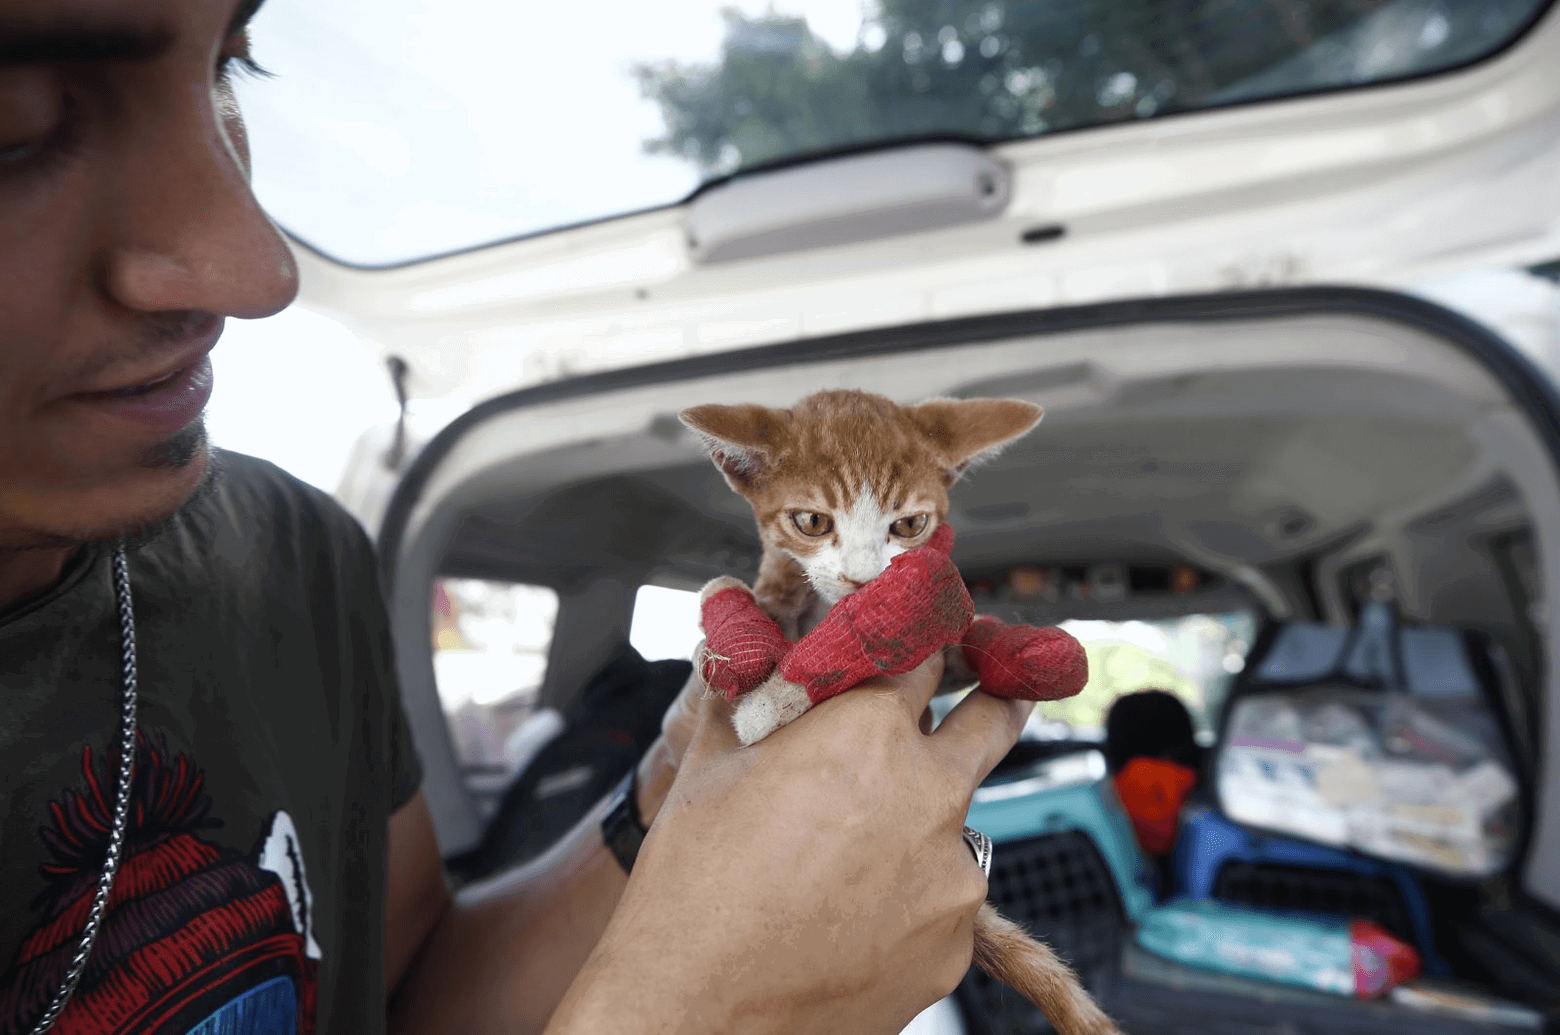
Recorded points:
852,583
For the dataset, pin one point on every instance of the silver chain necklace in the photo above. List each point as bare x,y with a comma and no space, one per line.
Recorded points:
116,837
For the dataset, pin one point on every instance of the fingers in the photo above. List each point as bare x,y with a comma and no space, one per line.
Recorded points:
713,731
680,720
979,731
916,688
921,683
696,707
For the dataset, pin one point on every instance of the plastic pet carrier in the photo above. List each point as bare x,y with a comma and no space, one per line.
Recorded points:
1066,867
1217,859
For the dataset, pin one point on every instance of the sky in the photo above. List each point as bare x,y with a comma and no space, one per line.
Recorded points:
296,389
394,129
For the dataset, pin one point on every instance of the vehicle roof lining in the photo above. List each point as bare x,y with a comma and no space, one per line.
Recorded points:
1120,469
1143,366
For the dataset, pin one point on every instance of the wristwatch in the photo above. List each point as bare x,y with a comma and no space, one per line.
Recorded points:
621,828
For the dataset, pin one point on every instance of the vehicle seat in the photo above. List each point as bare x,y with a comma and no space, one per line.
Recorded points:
612,724
1150,724
1152,753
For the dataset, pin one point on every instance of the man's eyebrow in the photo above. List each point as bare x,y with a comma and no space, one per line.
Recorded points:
241,18
42,44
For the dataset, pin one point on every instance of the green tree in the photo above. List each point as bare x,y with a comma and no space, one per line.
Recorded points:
992,70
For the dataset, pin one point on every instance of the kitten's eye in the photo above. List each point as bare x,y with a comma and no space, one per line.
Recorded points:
909,527
808,523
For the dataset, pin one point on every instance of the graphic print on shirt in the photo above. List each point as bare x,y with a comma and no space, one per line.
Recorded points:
197,940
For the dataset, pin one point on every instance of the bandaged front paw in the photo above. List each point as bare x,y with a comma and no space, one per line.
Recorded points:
742,644
1023,662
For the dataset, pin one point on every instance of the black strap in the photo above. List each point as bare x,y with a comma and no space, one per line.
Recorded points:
621,828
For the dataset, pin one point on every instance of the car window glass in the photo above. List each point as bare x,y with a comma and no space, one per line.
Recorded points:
665,623
490,643
399,129
1195,657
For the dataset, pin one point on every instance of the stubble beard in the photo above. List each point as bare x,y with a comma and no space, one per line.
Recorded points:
176,453
179,451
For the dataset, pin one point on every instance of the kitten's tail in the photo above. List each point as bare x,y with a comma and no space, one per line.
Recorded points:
1006,952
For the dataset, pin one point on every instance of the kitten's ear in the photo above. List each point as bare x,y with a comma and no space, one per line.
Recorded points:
744,441
968,431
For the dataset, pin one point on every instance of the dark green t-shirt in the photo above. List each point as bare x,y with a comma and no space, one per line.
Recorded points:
251,896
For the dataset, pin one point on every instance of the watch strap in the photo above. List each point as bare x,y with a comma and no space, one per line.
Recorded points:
621,828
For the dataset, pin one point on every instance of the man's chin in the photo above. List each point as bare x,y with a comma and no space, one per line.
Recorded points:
193,458
167,478
180,451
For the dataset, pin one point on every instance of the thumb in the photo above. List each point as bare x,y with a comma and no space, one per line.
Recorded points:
714,734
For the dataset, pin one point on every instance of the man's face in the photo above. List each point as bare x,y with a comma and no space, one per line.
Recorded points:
127,233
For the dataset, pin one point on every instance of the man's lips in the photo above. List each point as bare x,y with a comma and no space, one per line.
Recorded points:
165,405
168,399
198,336
135,390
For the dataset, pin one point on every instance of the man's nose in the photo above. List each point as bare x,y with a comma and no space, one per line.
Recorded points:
188,233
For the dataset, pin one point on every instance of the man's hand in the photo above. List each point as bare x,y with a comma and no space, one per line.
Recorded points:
658,768
502,959
815,881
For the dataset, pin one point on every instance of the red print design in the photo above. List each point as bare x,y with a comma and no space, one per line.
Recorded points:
196,938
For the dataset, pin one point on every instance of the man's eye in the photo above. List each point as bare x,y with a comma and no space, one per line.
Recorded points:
909,527
242,64
236,59
16,154
808,523
33,111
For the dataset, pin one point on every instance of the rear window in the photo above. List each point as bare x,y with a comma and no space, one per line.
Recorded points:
997,71
665,624
1196,657
394,133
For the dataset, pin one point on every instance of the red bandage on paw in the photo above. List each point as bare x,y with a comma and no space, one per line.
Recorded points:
1022,662
940,542
889,626
742,644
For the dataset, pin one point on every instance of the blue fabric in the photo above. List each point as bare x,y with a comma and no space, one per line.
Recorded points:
1371,658
267,1009
1208,840
1303,651
1434,659
1435,663
1246,942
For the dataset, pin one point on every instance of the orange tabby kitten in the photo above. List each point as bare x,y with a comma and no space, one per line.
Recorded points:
841,483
